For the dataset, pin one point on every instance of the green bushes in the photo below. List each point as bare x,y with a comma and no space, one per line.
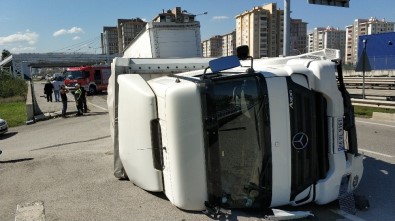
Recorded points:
13,92
11,86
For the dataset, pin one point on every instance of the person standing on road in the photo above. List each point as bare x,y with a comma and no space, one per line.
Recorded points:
78,99
63,95
56,88
48,89
83,95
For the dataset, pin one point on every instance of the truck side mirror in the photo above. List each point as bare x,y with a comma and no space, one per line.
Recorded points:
242,52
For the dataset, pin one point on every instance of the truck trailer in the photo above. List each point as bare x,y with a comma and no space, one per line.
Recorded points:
234,132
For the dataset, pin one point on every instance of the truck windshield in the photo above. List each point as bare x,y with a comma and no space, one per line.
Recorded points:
71,75
239,144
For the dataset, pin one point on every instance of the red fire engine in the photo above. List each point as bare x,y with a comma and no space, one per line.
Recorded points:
92,78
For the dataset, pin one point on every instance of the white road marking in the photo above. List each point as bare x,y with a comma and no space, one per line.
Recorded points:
384,125
347,215
376,153
98,106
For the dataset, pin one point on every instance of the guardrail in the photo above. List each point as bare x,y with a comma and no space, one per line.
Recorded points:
370,82
373,103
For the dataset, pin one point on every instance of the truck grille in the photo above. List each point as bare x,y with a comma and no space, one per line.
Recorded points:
309,129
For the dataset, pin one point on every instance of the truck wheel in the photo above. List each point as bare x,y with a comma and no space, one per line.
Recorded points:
92,89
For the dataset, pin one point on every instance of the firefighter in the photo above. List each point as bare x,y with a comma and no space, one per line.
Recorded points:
84,93
78,99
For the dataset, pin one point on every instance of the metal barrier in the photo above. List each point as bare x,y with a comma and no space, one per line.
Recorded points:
373,103
370,82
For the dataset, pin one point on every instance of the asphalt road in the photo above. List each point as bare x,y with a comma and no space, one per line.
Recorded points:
68,165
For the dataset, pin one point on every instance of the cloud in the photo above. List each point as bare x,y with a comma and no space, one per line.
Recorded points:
220,17
76,38
73,30
21,49
27,37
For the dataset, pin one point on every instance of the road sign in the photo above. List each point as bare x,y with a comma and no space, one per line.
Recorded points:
338,3
363,63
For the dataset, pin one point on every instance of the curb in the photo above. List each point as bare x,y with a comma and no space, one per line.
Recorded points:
50,115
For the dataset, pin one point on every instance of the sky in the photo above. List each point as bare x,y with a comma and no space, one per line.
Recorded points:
74,26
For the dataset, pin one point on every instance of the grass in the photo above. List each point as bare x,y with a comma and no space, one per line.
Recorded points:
14,112
367,112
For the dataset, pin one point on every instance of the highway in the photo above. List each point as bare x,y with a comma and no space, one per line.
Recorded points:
67,164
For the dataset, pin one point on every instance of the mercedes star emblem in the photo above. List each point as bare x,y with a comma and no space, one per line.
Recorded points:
300,141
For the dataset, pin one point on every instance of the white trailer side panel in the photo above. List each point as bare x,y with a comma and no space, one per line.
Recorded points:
141,47
176,43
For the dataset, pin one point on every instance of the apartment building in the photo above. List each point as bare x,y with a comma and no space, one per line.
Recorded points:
175,15
298,37
363,27
261,28
220,45
229,44
212,47
329,37
109,40
128,29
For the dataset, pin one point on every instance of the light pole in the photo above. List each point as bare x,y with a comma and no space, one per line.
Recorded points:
204,13
287,27
364,55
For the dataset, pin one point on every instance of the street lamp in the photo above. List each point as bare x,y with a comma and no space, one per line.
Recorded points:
364,55
185,11
204,13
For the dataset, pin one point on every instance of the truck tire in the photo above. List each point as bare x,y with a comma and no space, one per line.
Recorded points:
92,90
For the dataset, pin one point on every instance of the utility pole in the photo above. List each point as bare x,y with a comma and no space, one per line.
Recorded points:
287,27
107,48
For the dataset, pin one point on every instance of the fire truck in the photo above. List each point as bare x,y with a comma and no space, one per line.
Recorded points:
92,78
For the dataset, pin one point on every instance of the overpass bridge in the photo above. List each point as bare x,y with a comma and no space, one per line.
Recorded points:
20,65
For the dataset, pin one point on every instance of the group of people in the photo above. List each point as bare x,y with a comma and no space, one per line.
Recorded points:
61,94
52,87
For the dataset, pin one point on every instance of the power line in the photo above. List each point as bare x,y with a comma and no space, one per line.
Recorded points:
79,46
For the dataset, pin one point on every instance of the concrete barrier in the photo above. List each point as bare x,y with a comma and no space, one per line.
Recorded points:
29,104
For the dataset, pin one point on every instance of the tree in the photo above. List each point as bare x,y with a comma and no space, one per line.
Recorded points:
5,54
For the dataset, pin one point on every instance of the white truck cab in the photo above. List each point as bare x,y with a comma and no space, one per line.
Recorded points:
238,134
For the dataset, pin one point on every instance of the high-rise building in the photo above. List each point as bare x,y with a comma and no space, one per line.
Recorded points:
261,28
229,44
298,38
220,45
109,39
212,47
128,29
328,37
175,15
363,27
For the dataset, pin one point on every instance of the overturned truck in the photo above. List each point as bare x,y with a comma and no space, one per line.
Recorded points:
234,132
